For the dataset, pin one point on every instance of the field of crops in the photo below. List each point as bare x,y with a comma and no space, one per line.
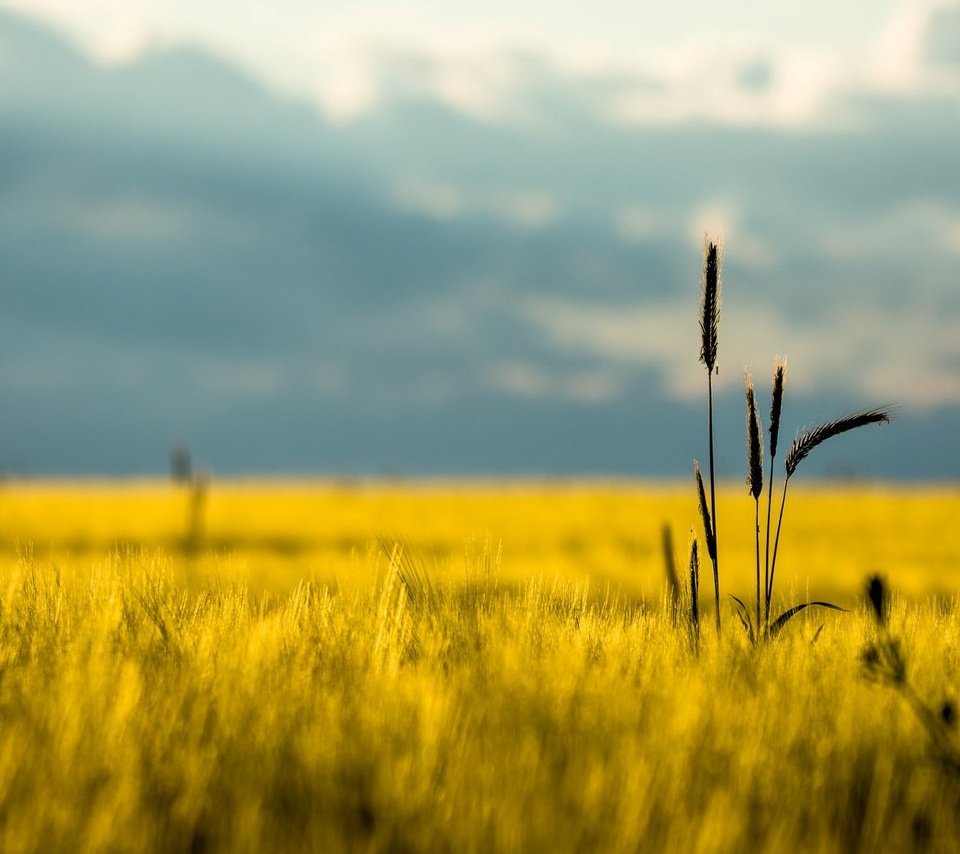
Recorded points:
256,667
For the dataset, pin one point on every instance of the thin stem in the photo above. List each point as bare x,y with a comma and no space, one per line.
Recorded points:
756,503
776,544
766,569
713,501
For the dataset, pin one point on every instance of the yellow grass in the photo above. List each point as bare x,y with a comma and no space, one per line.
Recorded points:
275,686
275,534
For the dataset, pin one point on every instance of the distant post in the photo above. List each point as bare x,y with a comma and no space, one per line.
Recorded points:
181,467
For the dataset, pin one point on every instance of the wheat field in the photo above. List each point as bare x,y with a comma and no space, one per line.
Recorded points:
259,669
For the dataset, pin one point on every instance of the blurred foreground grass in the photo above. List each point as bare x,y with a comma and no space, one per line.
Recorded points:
277,686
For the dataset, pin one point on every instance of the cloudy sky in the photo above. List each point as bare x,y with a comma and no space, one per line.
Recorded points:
378,238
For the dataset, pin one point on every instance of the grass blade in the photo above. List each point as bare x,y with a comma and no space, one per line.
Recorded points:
705,513
786,616
743,612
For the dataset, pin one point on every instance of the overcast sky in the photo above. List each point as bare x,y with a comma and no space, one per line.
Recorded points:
328,51
262,32
381,237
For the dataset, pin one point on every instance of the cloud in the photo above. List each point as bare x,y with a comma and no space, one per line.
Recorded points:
526,208
436,200
941,37
726,78
636,222
914,227
355,62
718,217
911,357
526,380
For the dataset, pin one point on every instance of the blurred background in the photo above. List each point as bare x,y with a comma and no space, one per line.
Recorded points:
376,238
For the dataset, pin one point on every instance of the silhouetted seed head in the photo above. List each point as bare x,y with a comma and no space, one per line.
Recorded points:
807,441
710,305
948,714
754,441
884,662
776,402
877,594
705,514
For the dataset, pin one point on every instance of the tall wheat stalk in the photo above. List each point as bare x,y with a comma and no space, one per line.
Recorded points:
776,408
755,469
709,328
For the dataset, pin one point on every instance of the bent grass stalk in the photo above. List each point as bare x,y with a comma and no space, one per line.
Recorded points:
804,445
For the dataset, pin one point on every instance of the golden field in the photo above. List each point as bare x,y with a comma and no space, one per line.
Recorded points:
272,535
248,671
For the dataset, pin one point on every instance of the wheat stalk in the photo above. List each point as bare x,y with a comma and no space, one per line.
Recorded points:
755,468
709,329
776,408
754,441
695,593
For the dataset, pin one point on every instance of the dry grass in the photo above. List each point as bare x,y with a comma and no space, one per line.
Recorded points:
140,715
331,696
